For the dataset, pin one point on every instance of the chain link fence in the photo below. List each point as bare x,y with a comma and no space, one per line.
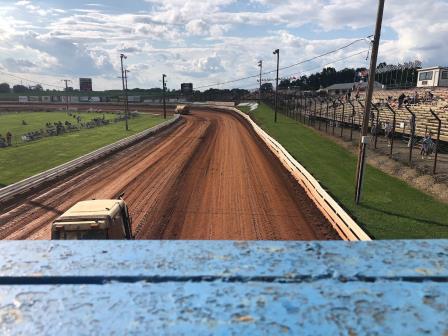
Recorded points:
414,134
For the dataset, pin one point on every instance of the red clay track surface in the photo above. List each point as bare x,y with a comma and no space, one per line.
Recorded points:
209,178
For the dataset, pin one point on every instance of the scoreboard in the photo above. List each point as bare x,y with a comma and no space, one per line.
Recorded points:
85,84
186,88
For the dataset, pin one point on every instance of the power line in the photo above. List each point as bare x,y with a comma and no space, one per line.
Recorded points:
334,61
29,80
285,67
320,66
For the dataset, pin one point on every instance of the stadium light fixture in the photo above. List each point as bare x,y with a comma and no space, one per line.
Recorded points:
276,52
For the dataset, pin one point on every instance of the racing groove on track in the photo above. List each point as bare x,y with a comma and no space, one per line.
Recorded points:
209,178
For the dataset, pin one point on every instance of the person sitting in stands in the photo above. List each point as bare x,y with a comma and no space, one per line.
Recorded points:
415,97
348,96
401,100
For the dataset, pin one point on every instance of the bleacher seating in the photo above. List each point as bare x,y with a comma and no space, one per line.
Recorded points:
425,121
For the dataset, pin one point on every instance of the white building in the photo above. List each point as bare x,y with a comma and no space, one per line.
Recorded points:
432,77
343,88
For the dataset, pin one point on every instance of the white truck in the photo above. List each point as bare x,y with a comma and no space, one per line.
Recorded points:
183,109
94,219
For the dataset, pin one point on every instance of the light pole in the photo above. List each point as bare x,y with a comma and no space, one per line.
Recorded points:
365,124
260,64
124,90
164,100
276,51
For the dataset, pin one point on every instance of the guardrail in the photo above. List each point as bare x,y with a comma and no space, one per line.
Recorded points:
344,225
10,192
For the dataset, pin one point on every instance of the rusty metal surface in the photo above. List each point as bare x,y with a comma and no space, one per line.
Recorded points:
209,287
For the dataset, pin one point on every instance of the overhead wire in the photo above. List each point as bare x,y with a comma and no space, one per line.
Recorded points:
30,80
320,66
285,67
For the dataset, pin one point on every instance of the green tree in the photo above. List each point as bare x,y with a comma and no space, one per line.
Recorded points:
5,88
19,88
38,88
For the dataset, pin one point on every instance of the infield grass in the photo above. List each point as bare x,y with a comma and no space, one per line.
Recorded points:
390,208
19,162
12,121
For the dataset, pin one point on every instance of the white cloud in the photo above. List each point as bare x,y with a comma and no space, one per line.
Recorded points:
210,40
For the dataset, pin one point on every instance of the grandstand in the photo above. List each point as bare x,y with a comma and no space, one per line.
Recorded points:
340,110
412,117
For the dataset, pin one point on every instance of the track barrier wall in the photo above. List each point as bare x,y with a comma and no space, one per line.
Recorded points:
344,225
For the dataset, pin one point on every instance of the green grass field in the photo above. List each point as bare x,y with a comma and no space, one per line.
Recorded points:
19,162
390,208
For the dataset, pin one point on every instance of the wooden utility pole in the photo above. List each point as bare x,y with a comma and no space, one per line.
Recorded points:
164,99
260,64
66,90
126,95
371,85
124,91
276,52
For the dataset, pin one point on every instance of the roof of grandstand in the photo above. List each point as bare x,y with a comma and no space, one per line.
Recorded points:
346,86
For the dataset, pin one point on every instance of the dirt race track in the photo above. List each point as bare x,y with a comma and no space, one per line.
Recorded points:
209,178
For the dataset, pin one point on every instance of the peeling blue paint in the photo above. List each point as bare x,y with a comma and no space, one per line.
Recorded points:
191,287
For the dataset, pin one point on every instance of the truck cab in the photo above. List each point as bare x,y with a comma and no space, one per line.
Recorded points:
93,219
183,109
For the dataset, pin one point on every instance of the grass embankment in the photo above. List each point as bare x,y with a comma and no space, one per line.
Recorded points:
17,163
390,209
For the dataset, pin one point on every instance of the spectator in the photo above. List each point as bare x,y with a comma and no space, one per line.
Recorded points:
9,138
427,146
416,97
388,133
401,100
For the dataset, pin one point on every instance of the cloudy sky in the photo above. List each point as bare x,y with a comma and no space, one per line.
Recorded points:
206,41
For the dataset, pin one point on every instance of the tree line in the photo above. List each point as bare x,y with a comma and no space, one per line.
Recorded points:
6,88
396,75
328,76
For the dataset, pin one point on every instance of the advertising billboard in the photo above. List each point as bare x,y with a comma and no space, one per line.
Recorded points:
85,84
